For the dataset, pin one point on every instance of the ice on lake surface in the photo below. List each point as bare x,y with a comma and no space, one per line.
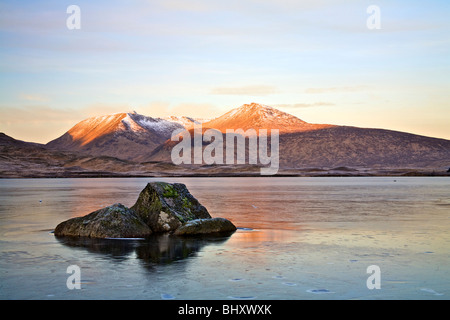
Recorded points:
297,238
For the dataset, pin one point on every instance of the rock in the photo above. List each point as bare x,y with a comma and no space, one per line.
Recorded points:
165,207
161,207
206,226
116,221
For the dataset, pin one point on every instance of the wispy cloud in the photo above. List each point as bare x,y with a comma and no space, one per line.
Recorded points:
34,97
305,105
336,89
256,90
34,114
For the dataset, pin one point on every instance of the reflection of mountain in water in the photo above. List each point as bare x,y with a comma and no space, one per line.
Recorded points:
157,249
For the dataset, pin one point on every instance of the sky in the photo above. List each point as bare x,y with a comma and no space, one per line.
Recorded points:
317,60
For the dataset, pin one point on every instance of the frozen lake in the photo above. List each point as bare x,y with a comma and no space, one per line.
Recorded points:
298,238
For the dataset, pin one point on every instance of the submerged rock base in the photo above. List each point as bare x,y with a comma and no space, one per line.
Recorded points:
161,207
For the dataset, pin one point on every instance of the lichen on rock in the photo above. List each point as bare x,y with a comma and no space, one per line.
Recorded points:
165,207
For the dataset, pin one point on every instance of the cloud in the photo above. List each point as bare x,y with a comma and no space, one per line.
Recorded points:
34,97
306,105
336,89
36,114
257,90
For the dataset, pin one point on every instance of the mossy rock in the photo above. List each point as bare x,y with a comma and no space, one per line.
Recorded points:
116,221
165,206
169,191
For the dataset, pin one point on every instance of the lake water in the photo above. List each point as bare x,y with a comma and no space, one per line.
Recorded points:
298,238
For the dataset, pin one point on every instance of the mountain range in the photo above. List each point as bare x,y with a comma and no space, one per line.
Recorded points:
130,144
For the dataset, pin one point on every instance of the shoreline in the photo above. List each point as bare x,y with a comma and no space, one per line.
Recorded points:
91,175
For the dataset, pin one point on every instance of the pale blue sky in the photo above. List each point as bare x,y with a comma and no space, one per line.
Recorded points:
314,59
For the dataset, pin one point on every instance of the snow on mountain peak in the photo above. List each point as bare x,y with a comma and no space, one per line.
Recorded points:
129,123
256,110
139,123
255,105
186,122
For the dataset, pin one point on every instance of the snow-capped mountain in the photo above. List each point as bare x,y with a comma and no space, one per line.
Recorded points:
142,139
132,136
121,135
186,122
257,116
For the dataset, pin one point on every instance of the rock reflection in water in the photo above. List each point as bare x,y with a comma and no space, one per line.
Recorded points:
156,249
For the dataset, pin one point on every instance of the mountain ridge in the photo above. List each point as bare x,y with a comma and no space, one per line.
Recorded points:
133,144
131,136
258,116
118,135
